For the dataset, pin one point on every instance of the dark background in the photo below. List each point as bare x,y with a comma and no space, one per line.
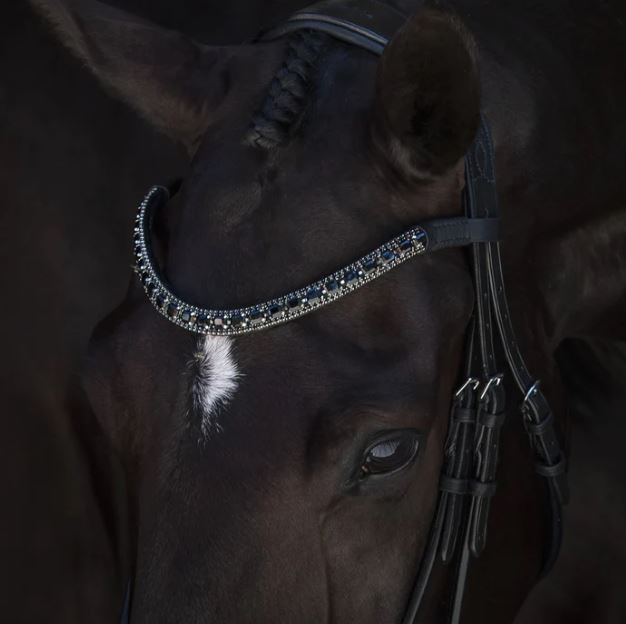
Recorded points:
73,164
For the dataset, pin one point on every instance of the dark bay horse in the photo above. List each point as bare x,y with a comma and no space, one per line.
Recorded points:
253,500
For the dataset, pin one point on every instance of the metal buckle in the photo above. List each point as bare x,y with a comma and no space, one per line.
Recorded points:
495,381
531,391
470,381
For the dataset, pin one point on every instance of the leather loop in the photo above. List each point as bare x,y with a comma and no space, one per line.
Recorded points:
551,471
540,428
453,485
464,415
490,421
482,489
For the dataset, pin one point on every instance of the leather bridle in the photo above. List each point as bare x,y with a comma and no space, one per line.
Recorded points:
458,530
459,526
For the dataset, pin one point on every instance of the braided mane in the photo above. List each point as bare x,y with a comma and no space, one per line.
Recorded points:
286,100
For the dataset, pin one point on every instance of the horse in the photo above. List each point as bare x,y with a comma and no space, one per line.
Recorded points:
292,474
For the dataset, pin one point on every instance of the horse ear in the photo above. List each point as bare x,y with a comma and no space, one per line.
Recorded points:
427,105
171,80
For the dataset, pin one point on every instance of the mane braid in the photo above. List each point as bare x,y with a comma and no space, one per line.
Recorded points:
274,122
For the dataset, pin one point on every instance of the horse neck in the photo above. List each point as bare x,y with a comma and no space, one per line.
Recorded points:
564,262
558,170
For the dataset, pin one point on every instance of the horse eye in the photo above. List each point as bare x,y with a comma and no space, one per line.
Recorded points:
390,452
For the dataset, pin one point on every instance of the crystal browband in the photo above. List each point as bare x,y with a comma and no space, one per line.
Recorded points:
430,236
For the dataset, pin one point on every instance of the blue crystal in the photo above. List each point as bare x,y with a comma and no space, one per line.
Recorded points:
369,265
275,310
313,295
256,317
405,245
185,316
202,321
237,320
172,310
387,255
350,276
160,300
293,303
331,285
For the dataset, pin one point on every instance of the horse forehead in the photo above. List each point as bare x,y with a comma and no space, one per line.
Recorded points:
387,333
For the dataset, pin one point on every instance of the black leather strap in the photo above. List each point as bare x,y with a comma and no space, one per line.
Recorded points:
491,402
459,231
367,24
454,485
458,453
535,407
483,202
473,448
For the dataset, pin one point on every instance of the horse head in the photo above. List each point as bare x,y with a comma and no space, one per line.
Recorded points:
290,475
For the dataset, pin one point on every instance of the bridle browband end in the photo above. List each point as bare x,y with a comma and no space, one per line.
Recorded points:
461,231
